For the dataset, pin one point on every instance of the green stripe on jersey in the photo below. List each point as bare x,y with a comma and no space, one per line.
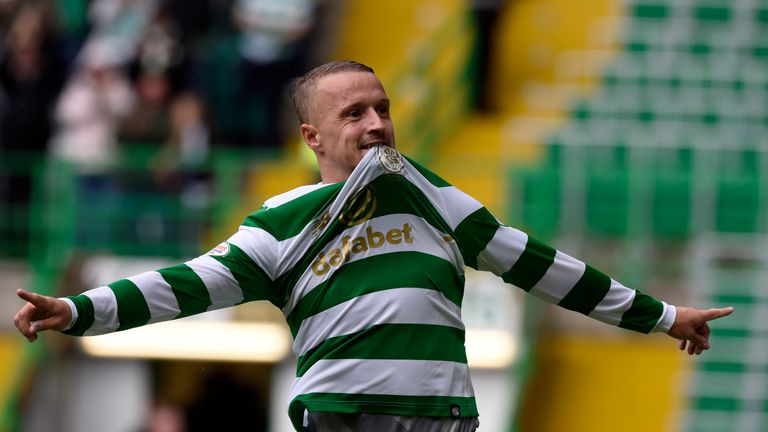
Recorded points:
588,292
531,266
253,281
289,219
391,341
474,233
431,177
85,315
379,273
189,289
427,406
132,308
643,315
396,195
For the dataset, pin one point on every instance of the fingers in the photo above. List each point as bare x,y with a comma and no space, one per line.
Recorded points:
700,335
691,347
715,313
53,323
35,299
22,322
35,316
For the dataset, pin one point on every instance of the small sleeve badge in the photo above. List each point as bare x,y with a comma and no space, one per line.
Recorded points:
221,250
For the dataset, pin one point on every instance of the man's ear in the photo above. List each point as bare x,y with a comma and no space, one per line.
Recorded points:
309,133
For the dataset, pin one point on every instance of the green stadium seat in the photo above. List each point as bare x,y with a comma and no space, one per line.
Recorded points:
540,209
738,205
607,204
655,10
671,207
718,14
761,15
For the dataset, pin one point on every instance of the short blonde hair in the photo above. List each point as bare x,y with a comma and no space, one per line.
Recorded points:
301,88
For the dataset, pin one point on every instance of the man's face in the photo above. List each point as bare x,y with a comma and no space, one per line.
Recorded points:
349,115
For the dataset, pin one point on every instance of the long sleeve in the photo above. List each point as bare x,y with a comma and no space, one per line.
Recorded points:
549,274
556,277
236,271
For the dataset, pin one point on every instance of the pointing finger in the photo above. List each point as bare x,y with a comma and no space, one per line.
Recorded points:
35,299
711,314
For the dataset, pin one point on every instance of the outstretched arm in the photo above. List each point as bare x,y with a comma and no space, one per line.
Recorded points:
41,313
692,329
238,270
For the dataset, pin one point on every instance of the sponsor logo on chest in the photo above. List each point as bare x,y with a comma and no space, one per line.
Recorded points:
361,244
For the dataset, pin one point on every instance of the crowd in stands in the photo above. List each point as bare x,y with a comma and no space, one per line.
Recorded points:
84,80
77,88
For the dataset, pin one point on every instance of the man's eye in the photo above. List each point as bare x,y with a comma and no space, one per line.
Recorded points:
383,110
353,114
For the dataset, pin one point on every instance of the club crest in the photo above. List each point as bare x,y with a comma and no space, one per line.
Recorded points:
389,159
320,223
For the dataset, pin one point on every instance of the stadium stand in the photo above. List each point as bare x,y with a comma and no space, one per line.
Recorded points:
671,148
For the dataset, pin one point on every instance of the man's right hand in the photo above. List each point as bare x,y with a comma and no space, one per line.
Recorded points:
41,313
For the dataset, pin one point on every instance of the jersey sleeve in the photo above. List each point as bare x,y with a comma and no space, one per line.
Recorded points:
551,275
238,270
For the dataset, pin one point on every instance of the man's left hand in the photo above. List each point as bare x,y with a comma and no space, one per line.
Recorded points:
691,327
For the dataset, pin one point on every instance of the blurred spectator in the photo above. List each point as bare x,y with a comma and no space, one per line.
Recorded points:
272,49
91,106
121,24
148,121
31,77
160,71
485,14
162,51
94,101
180,164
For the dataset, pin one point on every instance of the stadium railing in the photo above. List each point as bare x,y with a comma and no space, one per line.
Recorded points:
136,208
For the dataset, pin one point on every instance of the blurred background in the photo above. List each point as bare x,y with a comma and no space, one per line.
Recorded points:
630,133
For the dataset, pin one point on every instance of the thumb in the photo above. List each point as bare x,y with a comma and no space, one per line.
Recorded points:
715,313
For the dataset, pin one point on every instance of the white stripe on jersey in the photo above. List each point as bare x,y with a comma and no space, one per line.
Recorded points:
386,377
104,311
260,246
222,287
560,277
394,306
612,307
503,251
159,296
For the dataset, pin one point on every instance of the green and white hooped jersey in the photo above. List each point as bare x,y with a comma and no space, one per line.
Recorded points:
369,274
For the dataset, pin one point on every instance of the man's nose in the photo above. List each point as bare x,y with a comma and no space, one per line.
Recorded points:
375,121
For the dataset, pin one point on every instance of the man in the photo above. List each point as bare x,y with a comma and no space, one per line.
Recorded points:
367,267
